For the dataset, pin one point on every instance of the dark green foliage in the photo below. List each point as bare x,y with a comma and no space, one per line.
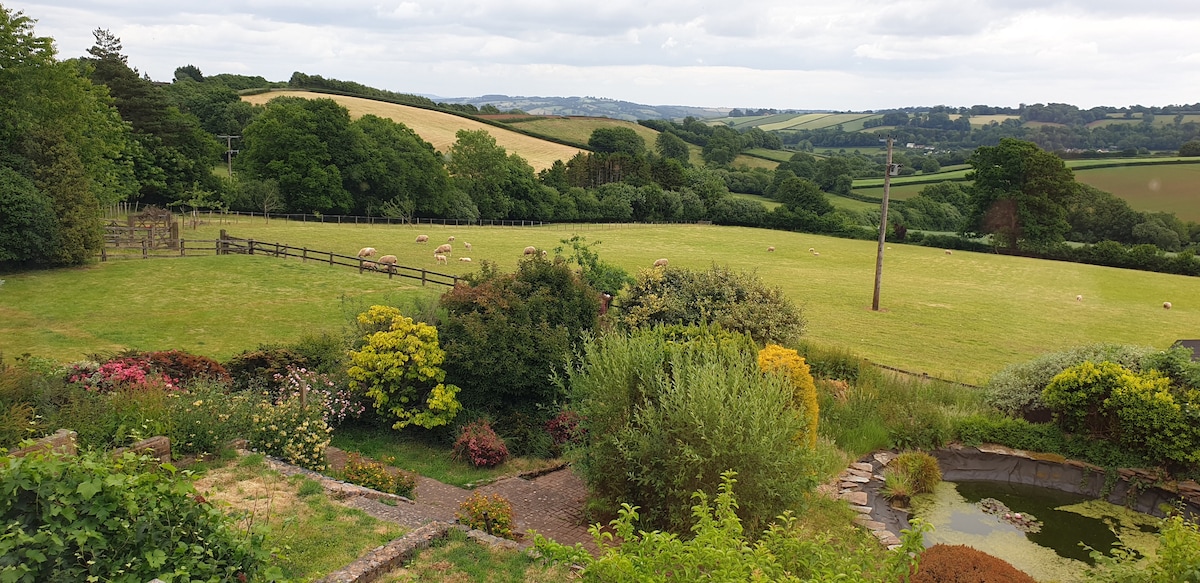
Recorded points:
617,140
184,367
28,227
256,369
399,168
737,301
1191,148
601,275
1020,194
666,417
1046,437
123,520
505,333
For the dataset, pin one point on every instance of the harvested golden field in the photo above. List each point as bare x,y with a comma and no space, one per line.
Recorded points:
438,128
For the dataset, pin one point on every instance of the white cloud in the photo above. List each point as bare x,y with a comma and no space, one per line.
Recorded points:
855,54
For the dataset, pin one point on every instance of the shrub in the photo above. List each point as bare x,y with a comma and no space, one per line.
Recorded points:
339,404
564,429
958,563
911,473
206,418
665,419
293,433
491,514
479,444
127,519
400,369
184,367
506,332
775,358
122,372
835,363
719,550
737,301
256,369
377,476
1047,437
1177,559
1017,389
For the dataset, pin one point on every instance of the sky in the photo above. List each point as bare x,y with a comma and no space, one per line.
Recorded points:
787,54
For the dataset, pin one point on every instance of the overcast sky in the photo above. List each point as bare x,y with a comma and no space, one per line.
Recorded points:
831,54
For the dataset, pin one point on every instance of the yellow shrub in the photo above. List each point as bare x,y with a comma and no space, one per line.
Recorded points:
775,358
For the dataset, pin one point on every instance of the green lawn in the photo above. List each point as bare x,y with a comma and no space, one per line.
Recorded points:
1159,188
963,316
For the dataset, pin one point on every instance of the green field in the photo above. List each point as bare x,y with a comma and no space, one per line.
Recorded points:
896,192
960,316
1159,188
579,129
770,204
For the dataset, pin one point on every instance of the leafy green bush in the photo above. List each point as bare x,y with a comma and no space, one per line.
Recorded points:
505,333
665,418
835,363
491,514
377,476
737,301
127,520
1046,437
1017,389
719,550
207,417
256,369
400,369
291,432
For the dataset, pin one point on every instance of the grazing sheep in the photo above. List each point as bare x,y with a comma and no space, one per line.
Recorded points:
811,250
439,257
771,249
1079,298
815,254
660,263
422,238
466,259
389,261
451,239
530,250
949,252
443,248
468,245
1166,305
366,252
543,252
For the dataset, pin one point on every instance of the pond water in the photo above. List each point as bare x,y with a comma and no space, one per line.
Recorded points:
1048,549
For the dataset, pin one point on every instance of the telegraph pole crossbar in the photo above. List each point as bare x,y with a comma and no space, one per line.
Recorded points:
229,151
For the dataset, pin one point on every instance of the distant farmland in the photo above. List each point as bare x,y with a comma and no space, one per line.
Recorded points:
1158,188
438,128
579,129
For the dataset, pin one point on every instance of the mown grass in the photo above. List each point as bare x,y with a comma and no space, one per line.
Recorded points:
962,316
457,559
1158,188
427,457
312,535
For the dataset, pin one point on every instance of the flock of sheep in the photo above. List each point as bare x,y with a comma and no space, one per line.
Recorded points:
440,255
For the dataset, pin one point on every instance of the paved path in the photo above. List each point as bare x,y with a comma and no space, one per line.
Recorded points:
551,504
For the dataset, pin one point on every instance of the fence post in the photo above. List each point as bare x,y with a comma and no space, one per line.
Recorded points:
277,249
250,245
145,249
331,259
104,254
182,245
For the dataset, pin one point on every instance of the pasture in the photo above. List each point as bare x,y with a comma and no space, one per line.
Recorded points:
962,316
579,129
1160,188
438,128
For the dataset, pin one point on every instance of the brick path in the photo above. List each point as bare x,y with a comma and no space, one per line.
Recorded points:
551,504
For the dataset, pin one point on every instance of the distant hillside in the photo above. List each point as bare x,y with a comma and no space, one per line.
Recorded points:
589,106
439,128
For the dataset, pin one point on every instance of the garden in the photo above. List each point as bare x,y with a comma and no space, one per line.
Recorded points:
709,432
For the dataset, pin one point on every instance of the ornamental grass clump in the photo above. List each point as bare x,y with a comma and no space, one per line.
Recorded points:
491,514
909,474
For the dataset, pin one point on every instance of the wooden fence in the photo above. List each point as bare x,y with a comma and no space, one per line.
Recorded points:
228,245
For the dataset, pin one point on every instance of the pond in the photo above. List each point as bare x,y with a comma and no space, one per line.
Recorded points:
1039,530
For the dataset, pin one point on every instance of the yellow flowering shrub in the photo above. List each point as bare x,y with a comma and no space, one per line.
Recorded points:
400,368
777,359
295,434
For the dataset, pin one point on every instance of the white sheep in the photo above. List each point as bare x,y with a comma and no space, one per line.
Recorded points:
443,248
439,257
543,252
389,261
1079,298
366,252
530,250
811,250
815,254
1166,305
949,252
771,249
451,239
465,259
468,246
660,263
422,238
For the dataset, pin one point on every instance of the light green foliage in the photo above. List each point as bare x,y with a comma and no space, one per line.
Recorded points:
1018,388
1177,559
292,432
400,368
125,520
911,473
720,551
601,275
666,413
1141,412
737,301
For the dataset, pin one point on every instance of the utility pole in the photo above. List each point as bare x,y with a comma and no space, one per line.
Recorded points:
891,170
229,152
